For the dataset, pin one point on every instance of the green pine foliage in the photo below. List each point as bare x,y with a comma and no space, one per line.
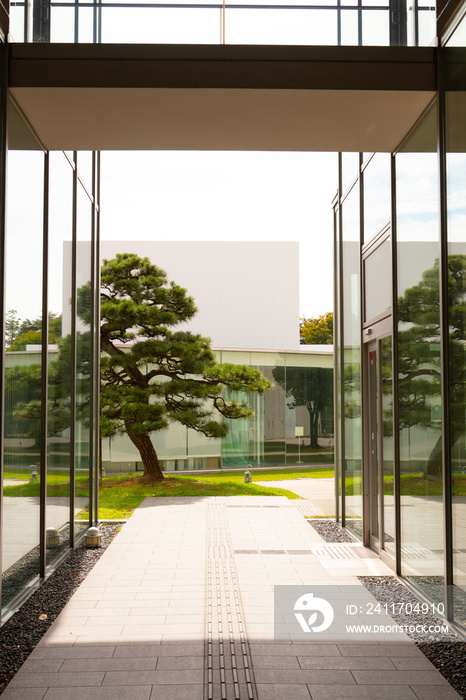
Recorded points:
154,374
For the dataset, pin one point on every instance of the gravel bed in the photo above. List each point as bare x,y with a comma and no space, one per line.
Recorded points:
22,632
446,651
331,531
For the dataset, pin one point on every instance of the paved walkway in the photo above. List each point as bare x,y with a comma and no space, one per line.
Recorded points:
319,494
181,606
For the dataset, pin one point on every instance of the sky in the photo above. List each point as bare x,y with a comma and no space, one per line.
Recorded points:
228,196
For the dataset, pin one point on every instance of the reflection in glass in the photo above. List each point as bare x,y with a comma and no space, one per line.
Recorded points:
456,209
352,458
387,446
377,195
378,281
59,366
419,365
83,388
22,424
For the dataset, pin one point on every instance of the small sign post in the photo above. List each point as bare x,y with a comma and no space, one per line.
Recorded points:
299,432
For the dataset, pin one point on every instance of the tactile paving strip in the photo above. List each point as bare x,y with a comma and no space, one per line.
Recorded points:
228,667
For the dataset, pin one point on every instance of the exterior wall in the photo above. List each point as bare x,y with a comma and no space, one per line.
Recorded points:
400,318
50,400
247,293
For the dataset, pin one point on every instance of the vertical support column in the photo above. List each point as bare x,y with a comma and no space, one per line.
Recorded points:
398,23
41,21
92,339
336,340
365,457
3,158
96,377
342,342
44,376
73,353
395,417
445,341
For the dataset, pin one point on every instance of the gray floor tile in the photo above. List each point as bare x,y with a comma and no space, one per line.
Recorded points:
35,665
428,692
120,664
23,693
177,692
303,677
108,693
283,692
361,692
399,677
180,662
51,680
75,652
379,663
175,677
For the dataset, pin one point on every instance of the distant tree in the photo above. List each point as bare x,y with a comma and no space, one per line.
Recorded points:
19,334
316,331
419,354
153,376
311,387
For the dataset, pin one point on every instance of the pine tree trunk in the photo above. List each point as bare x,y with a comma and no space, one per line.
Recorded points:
148,454
313,424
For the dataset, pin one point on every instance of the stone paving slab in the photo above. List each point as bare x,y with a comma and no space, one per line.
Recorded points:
181,604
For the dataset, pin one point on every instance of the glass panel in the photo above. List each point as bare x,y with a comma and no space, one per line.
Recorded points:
375,28
350,170
302,27
456,209
378,281
84,162
352,458
83,287
22,424
349,28
59,368
377,195
387,446
419,363
160,26
62,25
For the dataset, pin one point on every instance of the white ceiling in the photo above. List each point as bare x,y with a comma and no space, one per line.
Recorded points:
147,118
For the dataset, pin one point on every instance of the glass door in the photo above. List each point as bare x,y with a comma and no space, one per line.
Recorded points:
379,444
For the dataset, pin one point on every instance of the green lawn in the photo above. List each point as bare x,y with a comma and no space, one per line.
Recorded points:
411,485
120,495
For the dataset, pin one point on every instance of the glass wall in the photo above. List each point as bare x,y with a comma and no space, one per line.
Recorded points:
419,389
47,358
60,375
23,466
455,100
351,369
292,424
302,23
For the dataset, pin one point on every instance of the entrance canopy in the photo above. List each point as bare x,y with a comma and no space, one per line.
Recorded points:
190,97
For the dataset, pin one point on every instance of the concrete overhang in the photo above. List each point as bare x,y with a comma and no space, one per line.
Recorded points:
179,97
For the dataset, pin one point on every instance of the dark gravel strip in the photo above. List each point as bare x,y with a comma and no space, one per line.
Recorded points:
331,531
447,652
23,631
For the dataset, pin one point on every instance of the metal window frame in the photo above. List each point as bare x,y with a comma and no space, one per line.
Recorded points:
3,160
73,306
444,340
44,375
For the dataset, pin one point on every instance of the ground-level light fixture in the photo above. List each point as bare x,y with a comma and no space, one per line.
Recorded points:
93,537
